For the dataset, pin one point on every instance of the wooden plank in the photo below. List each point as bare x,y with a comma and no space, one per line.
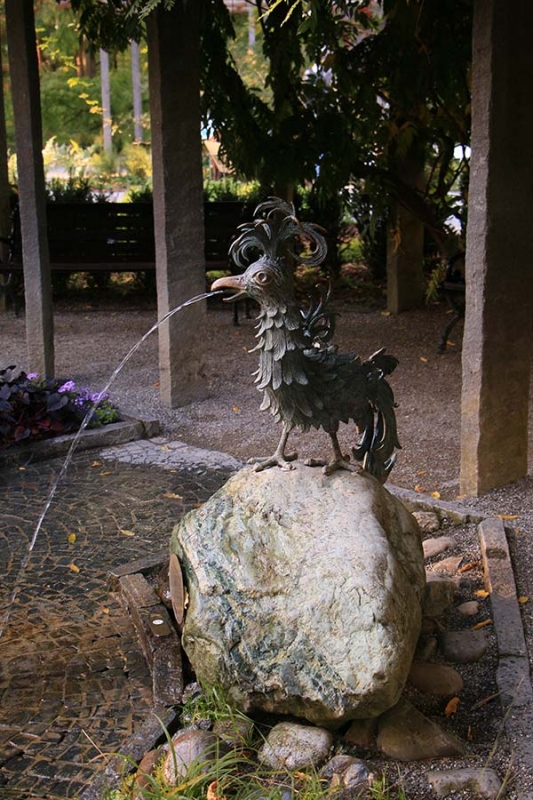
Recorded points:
138,591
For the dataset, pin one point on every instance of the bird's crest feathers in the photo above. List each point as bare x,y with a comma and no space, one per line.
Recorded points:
272,233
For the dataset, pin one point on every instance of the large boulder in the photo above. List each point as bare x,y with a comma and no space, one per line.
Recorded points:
305,593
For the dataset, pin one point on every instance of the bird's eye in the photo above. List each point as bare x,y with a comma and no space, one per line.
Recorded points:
262,278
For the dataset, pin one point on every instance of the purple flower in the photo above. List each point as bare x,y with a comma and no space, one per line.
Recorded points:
68,386
32,376
97,397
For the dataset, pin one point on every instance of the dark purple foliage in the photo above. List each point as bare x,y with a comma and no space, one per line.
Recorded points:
33,409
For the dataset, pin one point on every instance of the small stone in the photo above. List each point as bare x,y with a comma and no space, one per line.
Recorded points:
348,773
426,648
484,782
407,735
469,609
448,566
434,547
292,746
439,595
362,732
428,521
191,746
144,771
235,732
435,679
463,647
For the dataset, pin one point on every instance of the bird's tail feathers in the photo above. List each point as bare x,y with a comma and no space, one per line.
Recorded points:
379,437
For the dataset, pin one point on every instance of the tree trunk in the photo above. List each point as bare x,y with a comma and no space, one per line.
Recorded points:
106,103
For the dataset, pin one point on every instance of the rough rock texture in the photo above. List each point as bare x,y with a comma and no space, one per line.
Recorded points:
292,746
188,747
407,735
482,782
436,679
305,593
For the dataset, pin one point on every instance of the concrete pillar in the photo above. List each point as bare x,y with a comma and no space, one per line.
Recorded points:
497,343
173,61
28,138
405,246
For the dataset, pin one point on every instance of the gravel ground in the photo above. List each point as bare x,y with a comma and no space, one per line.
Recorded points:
90,342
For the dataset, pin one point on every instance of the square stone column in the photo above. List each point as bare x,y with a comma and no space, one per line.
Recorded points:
498,335
174,74
25,92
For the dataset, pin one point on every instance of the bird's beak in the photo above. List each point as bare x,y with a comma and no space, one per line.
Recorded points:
234,283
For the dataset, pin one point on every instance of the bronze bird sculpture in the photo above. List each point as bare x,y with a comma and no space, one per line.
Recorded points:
305,381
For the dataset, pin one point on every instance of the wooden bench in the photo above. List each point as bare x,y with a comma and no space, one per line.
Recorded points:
117,237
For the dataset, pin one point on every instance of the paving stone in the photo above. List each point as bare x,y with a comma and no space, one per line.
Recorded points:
67,628
463,647
435,546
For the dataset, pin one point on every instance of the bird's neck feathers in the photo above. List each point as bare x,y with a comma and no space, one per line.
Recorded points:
279,330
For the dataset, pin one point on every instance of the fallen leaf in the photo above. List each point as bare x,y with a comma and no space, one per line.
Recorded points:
523,599
423,358
507,516
74,568
156,385
385,313
212,793
482,593
470,565
105,610
127,533
421,472
485,700
96,464
71,538
165,447
435,494
419,489
106,473
236,409
451,707
481,625
460,496
197,505
173,496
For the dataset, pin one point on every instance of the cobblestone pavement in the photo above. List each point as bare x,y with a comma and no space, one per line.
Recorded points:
74,684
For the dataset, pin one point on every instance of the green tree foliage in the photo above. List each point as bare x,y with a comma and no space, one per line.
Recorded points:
349,89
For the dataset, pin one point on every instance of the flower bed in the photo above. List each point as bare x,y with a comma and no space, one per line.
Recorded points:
33,409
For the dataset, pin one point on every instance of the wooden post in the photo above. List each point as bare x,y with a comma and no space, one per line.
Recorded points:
173,60
28,137
497,344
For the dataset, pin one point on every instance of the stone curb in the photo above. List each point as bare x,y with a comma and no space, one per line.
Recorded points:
445,509
127,430
150,734
513,672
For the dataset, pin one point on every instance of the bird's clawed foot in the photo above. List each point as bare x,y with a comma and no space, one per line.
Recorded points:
278,459
340,463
